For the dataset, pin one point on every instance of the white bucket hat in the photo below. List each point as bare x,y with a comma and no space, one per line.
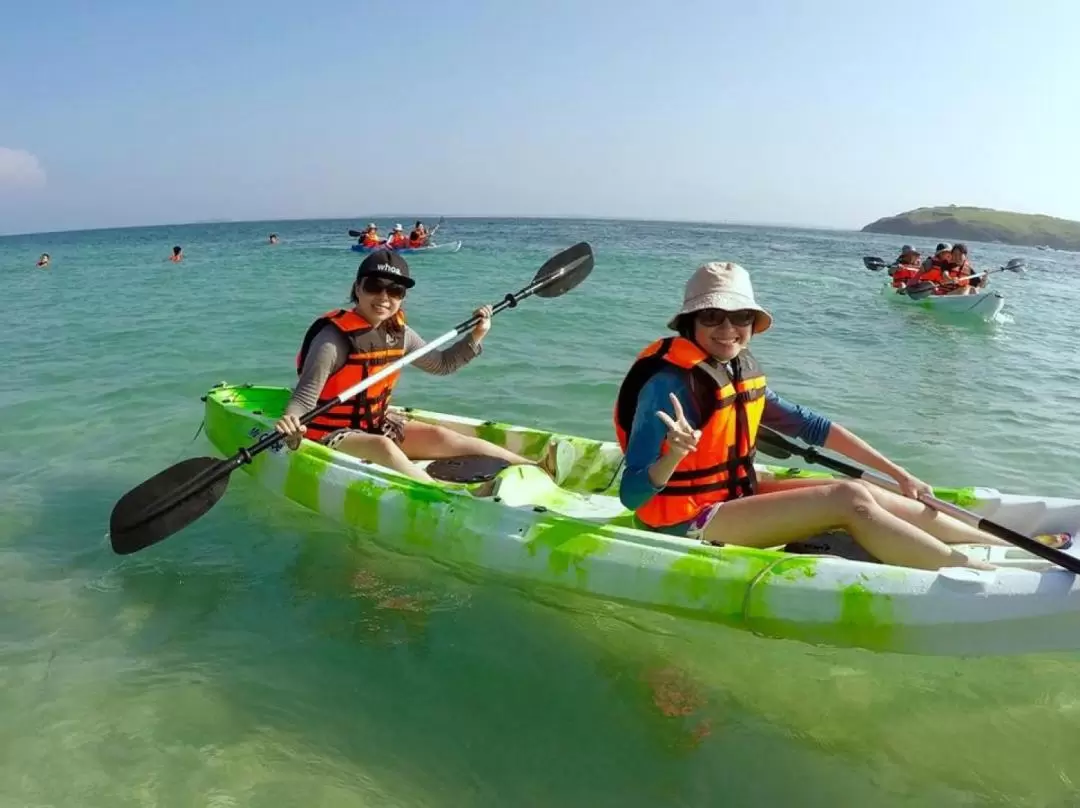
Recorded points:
398,227
722,285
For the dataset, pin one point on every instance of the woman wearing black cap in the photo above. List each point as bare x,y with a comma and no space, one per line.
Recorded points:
344,346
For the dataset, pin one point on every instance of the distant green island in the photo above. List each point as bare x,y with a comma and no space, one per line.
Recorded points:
955,223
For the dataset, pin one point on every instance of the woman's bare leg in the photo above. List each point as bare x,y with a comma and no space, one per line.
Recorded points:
380,449
431,442
948,529
782,516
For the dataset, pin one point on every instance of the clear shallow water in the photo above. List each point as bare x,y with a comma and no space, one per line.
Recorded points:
264,658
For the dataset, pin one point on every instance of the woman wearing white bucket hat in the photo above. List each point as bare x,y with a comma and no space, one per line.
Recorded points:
397,238
687,417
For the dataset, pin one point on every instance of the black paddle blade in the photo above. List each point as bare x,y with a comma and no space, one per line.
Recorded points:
920,290
873,263
355,233
130,530
1015,265
566,270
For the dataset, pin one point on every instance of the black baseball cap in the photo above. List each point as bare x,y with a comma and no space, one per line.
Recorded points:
386,264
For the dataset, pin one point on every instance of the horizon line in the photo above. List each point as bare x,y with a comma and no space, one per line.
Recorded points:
564,217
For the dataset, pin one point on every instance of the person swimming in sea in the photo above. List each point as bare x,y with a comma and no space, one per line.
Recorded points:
43,261
177,254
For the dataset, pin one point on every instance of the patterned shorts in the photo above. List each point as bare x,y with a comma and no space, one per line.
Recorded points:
697,527
393,427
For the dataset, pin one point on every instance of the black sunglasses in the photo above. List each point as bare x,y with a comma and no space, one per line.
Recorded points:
374,286
740,318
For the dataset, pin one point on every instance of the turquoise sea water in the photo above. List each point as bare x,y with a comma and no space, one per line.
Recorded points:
260,658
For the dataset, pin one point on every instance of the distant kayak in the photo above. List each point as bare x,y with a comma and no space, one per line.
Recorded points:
450,246
983,304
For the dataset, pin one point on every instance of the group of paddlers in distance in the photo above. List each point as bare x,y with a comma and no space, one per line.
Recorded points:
417,237
948,268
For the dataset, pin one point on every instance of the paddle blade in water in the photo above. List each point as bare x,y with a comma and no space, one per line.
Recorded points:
131,530
566,270
1015,265
873,263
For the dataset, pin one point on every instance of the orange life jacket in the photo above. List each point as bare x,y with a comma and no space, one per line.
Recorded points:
370,240
959,273
722,466
935,273
396,240
903,274
370,350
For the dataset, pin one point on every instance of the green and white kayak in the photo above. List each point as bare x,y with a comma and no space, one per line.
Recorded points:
985,305
578,536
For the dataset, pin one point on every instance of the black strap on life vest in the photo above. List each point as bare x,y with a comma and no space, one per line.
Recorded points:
742,484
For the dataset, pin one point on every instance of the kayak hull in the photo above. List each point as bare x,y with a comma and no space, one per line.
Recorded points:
450,247
579,537
984,304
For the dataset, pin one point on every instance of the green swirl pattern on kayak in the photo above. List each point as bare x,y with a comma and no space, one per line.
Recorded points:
578,536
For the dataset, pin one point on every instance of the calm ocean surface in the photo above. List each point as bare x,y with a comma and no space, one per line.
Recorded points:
262,658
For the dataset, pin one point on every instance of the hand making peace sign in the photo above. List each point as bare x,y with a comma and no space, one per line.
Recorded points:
682,439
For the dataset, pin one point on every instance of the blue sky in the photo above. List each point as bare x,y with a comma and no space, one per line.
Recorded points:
817,113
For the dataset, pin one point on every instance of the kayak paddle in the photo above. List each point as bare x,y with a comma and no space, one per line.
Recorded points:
873,263
775,445
920,290
174,498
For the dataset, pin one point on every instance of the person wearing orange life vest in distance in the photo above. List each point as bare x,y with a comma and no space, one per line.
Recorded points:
950,271
397,238
906,267
941,253
346,345
371,237
936,268
960,272
907,248
687,416
418,236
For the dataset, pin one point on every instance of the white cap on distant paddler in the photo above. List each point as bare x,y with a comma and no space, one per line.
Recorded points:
722,285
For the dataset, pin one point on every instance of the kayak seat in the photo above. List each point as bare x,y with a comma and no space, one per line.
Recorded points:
532,487
834,543
466,468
